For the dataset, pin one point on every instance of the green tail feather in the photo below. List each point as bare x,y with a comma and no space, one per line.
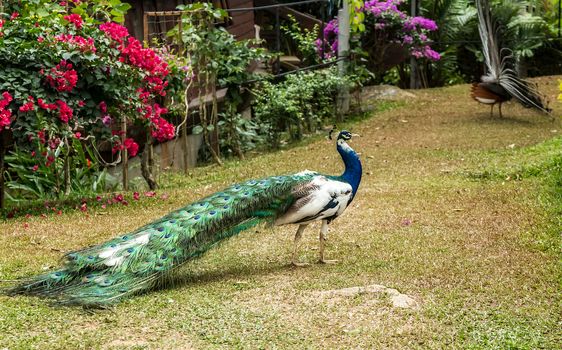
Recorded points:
138,261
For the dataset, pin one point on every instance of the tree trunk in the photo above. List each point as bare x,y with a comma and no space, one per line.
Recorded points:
2,152
66,172
147,165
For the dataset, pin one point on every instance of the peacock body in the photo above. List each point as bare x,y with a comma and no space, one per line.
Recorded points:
136,262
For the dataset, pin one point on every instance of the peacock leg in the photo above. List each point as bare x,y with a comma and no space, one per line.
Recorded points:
492,110
298,237
323,234
500,108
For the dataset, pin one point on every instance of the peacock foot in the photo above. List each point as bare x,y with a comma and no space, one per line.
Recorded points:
324,261
299,264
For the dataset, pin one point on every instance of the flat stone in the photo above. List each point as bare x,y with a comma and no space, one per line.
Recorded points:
403,301
398,299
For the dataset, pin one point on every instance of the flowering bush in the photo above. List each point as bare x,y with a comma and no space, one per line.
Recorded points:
386,32
64,74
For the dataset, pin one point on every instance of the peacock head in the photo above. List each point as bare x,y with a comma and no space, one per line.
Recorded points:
344,135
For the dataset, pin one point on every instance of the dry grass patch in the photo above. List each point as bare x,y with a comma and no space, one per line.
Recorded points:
438,217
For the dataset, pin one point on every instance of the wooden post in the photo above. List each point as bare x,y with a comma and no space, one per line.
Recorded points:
2,152
414,69
125,156
145,27
277,67
343,55
146,164
184,143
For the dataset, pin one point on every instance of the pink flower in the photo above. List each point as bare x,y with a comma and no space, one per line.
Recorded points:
40,39
136,196
150,194
14,15
118,197
106,120
35,167
84,207
78,134
75,19
81,43
98,198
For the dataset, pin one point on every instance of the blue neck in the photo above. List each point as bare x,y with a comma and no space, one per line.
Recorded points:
353,169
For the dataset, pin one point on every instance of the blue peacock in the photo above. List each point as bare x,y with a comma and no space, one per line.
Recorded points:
104,274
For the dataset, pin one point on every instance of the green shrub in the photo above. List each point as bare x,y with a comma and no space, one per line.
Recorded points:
298,105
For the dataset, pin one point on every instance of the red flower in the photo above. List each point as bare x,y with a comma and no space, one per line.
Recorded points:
131,146
98,198
136,196
35,167
62,77
5,114
103,107
29,106
14,15
46,106
75,19
115,31
65,112
40,39
50,160
78,134
88,163
41,134
118,197
84,207
81,103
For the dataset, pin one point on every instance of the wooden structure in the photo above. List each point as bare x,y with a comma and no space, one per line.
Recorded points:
241,24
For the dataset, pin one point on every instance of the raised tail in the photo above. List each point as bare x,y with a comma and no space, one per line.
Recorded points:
138,261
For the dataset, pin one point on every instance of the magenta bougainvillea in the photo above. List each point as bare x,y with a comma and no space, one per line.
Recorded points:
386,24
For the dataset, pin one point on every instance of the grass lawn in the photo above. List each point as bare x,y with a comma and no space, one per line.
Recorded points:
456,209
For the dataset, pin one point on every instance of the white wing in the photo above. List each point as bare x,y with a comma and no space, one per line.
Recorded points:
318,199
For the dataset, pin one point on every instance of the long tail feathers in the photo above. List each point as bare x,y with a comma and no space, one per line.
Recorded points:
499,69
139,261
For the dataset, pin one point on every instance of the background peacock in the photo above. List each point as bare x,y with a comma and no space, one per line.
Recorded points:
106,273
502,81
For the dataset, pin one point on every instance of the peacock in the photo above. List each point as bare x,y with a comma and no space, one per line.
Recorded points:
137,262
501,83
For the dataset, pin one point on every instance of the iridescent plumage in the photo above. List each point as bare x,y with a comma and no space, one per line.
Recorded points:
138,261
